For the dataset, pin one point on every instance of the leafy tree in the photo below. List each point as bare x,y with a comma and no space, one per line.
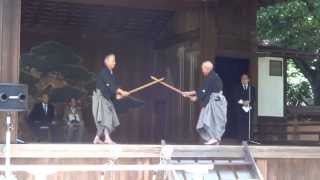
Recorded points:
299,92
296,25
69,77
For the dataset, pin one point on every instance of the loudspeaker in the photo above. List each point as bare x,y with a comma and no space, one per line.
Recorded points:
13,97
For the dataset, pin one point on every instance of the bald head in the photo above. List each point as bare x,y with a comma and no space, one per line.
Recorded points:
206,67
110,61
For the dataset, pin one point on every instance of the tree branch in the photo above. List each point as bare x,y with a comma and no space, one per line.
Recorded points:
305,68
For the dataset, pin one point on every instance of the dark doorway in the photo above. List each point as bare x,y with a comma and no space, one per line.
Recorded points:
230,70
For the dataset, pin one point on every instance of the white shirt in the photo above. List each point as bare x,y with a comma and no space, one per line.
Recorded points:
45,108
245,86
73,116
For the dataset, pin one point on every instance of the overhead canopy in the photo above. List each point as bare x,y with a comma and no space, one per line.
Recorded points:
150,4
144,17
156,4
78,16
269,2
269,50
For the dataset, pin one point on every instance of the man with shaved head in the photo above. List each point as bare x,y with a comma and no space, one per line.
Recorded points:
107,90
213,115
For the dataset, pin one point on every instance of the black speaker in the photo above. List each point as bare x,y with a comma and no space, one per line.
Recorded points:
13,97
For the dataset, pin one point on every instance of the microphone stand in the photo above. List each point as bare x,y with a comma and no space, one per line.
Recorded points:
249,118
7,151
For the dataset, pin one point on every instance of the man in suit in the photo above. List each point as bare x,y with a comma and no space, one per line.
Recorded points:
245,97
42,118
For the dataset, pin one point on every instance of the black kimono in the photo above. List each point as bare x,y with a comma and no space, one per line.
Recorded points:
107,84
213,114
242,93
103,110
212,84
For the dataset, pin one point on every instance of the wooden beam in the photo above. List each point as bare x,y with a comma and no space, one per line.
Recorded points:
286,152
10,40
208,32
154,4
10,17
178,38
143,4
270,2
153,151
139,4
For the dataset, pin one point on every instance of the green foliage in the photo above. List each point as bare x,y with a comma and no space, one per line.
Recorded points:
55,53
53,62
64,94
32,60
295,25
298,92
27,78
75,73
291,25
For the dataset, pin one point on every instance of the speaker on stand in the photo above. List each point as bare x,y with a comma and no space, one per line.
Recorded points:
13,98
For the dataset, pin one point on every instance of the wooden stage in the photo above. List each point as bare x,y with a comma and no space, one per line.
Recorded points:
67,161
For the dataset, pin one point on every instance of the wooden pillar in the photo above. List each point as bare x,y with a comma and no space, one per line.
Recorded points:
252,6
208,33
253,59
10,20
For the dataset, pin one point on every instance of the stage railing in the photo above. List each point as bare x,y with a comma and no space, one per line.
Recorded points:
47,159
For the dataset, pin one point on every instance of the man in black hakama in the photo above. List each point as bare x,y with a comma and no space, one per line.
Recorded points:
213,115
107,91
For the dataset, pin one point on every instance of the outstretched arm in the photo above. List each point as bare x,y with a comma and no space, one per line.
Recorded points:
189,93
121,93
192,95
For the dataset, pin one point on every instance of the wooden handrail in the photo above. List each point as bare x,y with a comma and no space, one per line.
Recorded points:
288,124
75,151
288,133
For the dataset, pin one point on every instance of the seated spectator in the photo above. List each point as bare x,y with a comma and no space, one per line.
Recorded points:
74,122
42,119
